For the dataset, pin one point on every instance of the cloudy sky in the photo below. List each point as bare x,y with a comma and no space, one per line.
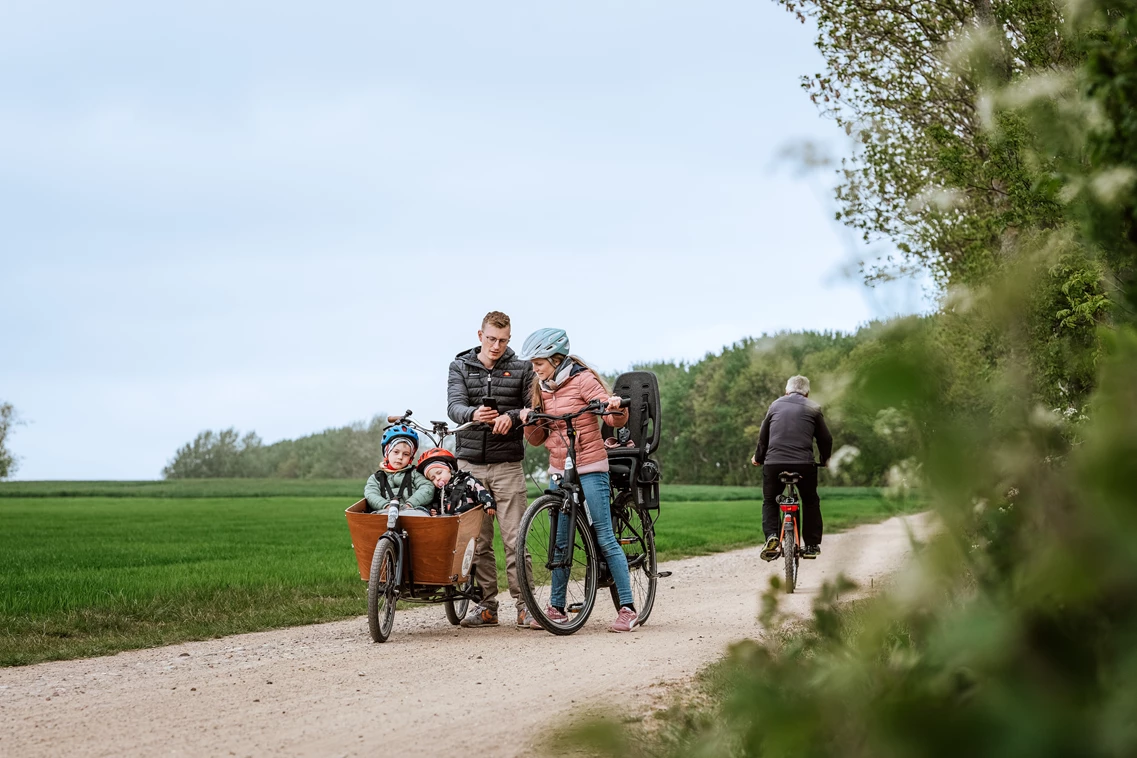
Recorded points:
288,216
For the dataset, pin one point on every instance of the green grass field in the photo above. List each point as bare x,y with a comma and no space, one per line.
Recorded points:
88,568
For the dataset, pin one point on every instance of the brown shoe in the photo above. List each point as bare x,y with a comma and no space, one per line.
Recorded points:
480,616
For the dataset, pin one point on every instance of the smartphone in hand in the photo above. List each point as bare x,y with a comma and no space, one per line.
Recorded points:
490,402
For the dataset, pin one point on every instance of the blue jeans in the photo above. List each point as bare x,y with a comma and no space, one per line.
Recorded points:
597,491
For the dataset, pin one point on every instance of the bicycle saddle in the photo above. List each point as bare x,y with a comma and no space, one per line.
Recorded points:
789,478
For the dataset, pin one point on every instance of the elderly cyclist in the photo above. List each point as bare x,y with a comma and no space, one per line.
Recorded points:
785,444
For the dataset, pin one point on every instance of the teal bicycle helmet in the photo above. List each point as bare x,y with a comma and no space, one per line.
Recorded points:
545,343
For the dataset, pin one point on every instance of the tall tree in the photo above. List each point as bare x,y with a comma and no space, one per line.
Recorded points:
8,419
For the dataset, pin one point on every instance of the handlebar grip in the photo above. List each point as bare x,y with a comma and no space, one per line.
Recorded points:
625,402
393,419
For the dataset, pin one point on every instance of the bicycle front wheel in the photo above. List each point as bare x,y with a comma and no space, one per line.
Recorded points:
551,572
381,590
636,536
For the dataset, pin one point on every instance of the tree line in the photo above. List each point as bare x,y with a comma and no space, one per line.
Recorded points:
712,410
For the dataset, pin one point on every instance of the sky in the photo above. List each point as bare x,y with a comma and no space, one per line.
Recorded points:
285,217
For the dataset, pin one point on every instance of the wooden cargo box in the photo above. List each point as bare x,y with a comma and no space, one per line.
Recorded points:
442,547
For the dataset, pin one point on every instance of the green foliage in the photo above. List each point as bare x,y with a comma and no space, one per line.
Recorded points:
8,419
348,452
1013,633
713,409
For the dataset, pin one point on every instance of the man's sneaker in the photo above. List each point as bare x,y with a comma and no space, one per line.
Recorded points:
525,620
480,616
770,549
811,551
552,614
625,622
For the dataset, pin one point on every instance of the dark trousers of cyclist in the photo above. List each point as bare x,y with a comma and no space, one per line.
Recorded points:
772,486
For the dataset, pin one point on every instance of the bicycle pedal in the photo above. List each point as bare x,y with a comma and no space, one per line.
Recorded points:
808,557
574,608
627,541
663,575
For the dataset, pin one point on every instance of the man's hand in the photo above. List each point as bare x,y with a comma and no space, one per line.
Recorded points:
502,424
485,415
754,461
491,511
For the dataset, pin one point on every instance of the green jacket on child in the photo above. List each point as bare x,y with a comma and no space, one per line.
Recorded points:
418,492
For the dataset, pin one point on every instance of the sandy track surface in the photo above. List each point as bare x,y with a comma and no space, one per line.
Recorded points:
326,690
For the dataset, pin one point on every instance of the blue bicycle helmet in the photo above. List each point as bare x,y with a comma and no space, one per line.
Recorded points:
545,343
400,431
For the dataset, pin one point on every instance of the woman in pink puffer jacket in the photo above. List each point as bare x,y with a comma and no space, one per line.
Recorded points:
567,384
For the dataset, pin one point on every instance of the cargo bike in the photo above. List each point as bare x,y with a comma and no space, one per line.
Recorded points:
423,560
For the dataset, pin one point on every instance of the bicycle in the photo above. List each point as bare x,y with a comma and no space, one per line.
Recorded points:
790,503
575,557
415,560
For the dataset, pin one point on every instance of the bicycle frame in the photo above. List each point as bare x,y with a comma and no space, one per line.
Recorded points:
790,504
568,489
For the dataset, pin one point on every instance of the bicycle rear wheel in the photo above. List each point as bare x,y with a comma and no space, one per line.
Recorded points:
636,536
789,552
539,558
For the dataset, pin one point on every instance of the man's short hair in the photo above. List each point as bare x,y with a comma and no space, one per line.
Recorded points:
798,384
496,319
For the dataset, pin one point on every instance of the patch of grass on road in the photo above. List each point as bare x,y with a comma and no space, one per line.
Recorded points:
90,574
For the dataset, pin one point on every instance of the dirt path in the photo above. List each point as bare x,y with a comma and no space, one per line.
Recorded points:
326,690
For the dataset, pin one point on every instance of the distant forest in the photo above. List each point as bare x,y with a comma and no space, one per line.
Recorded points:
712,411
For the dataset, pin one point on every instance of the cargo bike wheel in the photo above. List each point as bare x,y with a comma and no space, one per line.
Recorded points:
540,559
383,589
458,602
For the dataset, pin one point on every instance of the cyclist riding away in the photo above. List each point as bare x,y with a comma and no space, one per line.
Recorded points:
566,384
785,444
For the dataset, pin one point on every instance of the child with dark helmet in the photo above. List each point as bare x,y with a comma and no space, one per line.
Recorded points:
396,480
455,491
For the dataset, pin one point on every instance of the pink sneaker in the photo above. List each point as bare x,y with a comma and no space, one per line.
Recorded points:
552,614
625,622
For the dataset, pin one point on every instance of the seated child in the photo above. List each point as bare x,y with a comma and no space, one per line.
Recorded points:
396,480
455,491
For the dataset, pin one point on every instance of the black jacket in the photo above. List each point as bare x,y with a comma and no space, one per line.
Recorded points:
788,431
509,382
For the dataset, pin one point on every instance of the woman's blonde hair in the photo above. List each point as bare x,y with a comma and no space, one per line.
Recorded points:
557,360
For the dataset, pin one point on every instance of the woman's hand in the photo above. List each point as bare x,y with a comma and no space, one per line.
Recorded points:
523,414
614,402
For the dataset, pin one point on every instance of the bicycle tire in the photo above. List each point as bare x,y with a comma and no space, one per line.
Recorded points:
381,590
636,535
789,552
536,578
456,607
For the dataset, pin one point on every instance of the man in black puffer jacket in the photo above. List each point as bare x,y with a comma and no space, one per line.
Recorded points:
493,452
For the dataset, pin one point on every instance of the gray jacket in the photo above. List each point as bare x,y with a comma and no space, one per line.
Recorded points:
788,431
509,382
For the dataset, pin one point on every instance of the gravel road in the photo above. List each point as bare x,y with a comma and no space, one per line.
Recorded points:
432,689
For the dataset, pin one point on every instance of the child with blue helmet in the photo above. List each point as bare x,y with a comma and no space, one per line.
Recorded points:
396,480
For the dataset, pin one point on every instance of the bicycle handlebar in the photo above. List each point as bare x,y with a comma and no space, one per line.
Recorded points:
595,407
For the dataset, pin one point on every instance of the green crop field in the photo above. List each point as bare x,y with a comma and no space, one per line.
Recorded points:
88,568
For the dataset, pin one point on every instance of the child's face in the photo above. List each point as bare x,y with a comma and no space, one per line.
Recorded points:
439,476
400,456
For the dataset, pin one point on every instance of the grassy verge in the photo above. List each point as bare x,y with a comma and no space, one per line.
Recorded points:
92,574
